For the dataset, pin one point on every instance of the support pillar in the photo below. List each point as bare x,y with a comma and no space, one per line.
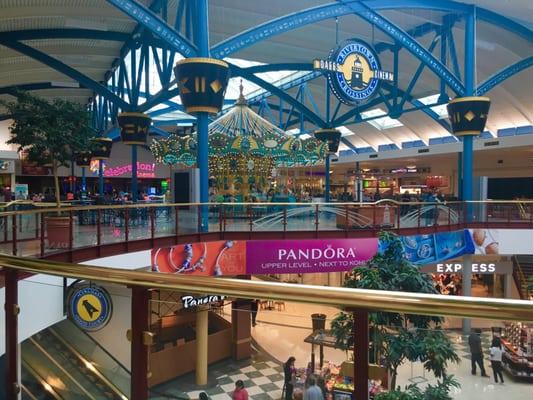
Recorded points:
468,140
134,187
83,180
327,181
361,344
467,288
508,286
460,176
12,378
202,332
358,183
202,42
72,183
241,329
101,178
140,303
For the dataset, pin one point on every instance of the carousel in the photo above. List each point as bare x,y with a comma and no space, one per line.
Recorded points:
246,153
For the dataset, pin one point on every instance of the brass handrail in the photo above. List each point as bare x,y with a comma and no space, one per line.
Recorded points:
372,300
69,207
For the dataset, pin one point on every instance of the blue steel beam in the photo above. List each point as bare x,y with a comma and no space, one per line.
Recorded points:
149,20
57,65
408,42
299,19
504,74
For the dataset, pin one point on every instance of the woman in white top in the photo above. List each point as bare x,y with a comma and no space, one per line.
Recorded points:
496,353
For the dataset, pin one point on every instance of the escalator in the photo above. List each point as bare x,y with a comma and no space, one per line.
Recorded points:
63,362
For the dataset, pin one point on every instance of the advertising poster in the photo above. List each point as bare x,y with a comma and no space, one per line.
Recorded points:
206,258
306,256
264,257
502,241
426,249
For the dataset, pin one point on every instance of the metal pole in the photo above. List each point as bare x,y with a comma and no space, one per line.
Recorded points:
101,178
11,339
327,183
134,189
202,322
202,42
83,180
460,176
468,140
140,302
360,356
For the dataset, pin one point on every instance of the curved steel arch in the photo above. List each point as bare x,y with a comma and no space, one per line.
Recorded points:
57,65
504,74
147,18
316,14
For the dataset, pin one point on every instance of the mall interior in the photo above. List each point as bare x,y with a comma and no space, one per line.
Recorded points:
228,199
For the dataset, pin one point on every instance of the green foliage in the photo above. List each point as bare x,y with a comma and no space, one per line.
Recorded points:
397,337
440,391
530,284
48,131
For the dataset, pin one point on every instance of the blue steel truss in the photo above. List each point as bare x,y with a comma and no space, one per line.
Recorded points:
504,74
313,15
65,69
148,19
159,37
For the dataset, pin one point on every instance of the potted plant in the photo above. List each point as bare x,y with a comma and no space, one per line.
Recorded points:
50,133
397,337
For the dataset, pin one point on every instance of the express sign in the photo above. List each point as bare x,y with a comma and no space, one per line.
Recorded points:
477,268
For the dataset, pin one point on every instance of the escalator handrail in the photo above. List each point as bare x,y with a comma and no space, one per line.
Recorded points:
103,348
41,380
47,355
94,368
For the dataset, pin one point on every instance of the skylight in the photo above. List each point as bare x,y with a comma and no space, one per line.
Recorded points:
382,123
441,110
345,131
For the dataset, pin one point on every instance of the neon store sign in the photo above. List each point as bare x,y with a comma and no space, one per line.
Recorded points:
144,170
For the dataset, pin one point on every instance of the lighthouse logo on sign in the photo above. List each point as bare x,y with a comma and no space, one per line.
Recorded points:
354,71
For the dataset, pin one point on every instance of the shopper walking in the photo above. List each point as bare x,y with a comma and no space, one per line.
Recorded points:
476,352
313,392
496,353
254,308
290,377
240,392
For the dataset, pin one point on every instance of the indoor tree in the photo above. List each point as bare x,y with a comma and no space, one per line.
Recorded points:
397,337
49,132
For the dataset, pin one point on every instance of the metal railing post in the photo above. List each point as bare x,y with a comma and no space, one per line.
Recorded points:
70,233
140,342
360,356
176,223
12,310
14,233
317,219
126,226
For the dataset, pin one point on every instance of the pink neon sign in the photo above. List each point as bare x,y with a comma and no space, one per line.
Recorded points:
144,170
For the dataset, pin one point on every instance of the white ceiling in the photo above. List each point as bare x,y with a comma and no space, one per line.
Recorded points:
512,101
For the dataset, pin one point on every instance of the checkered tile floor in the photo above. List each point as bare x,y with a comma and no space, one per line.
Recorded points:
263,379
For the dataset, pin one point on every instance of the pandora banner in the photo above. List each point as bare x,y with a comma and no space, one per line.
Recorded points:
304,256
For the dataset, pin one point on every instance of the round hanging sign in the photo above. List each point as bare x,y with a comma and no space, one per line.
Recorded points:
90,307
354,71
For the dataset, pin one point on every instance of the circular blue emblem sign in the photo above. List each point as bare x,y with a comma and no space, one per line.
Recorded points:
355,72
90,307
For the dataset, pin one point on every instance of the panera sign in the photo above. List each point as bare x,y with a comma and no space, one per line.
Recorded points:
502,267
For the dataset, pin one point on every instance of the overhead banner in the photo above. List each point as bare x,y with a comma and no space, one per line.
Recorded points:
264,257
306,256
